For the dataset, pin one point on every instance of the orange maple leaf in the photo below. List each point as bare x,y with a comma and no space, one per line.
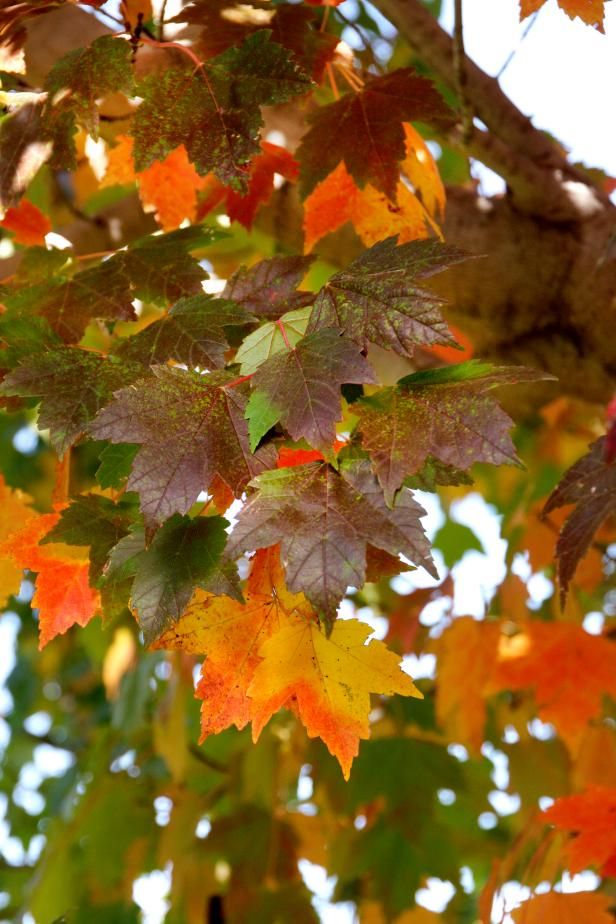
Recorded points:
230,634
15,514
327,682
591,12
263,168
168,187
28,224
591,817
466,653
571,908
63,595
570,670
338,200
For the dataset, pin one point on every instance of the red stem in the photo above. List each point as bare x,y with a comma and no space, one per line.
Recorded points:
280,327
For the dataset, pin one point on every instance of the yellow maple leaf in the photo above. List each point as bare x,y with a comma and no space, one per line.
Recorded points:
15,514
230,635
571,908
326,681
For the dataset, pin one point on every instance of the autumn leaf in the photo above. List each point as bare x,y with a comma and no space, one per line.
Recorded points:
192,332
324,519
214,110
167,187
301,386
377,299
590,484
442,413
157,269
420,201
567,908
27,223
466,652
291,27
570,671
328,681
190,428
263,168
230,634
73,386
16,512
364,131
591,12
269,288
63,595
590,817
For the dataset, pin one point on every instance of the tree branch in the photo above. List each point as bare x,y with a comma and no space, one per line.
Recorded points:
541,180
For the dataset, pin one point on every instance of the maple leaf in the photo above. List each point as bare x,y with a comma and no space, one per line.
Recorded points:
191,333
191,428
590,484
214,110
301,387
591,12
75,83
263,168
466,653
28,224
570,670
364,130
94,521
568,908
184,554
16,512
323,520
272,338
443,413
73,386
291,26
328,681
157,269
377,299
591,818
22,151
230,634
420,201
168,187
269,288
63,595
115,464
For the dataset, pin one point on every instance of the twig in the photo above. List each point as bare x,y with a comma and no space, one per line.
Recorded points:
459,64
514,51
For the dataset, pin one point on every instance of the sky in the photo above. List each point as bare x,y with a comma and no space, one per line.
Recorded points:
562,75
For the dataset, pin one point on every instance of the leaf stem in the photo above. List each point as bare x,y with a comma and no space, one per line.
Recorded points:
281,328
243,378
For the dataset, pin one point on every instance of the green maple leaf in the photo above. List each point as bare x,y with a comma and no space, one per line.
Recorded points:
442,413
116,461
73,386
214,110
301,387
97,522
184,554
377,299
324,521
191,333
364,130
269,288
269,339
191,428
157,269
590,484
